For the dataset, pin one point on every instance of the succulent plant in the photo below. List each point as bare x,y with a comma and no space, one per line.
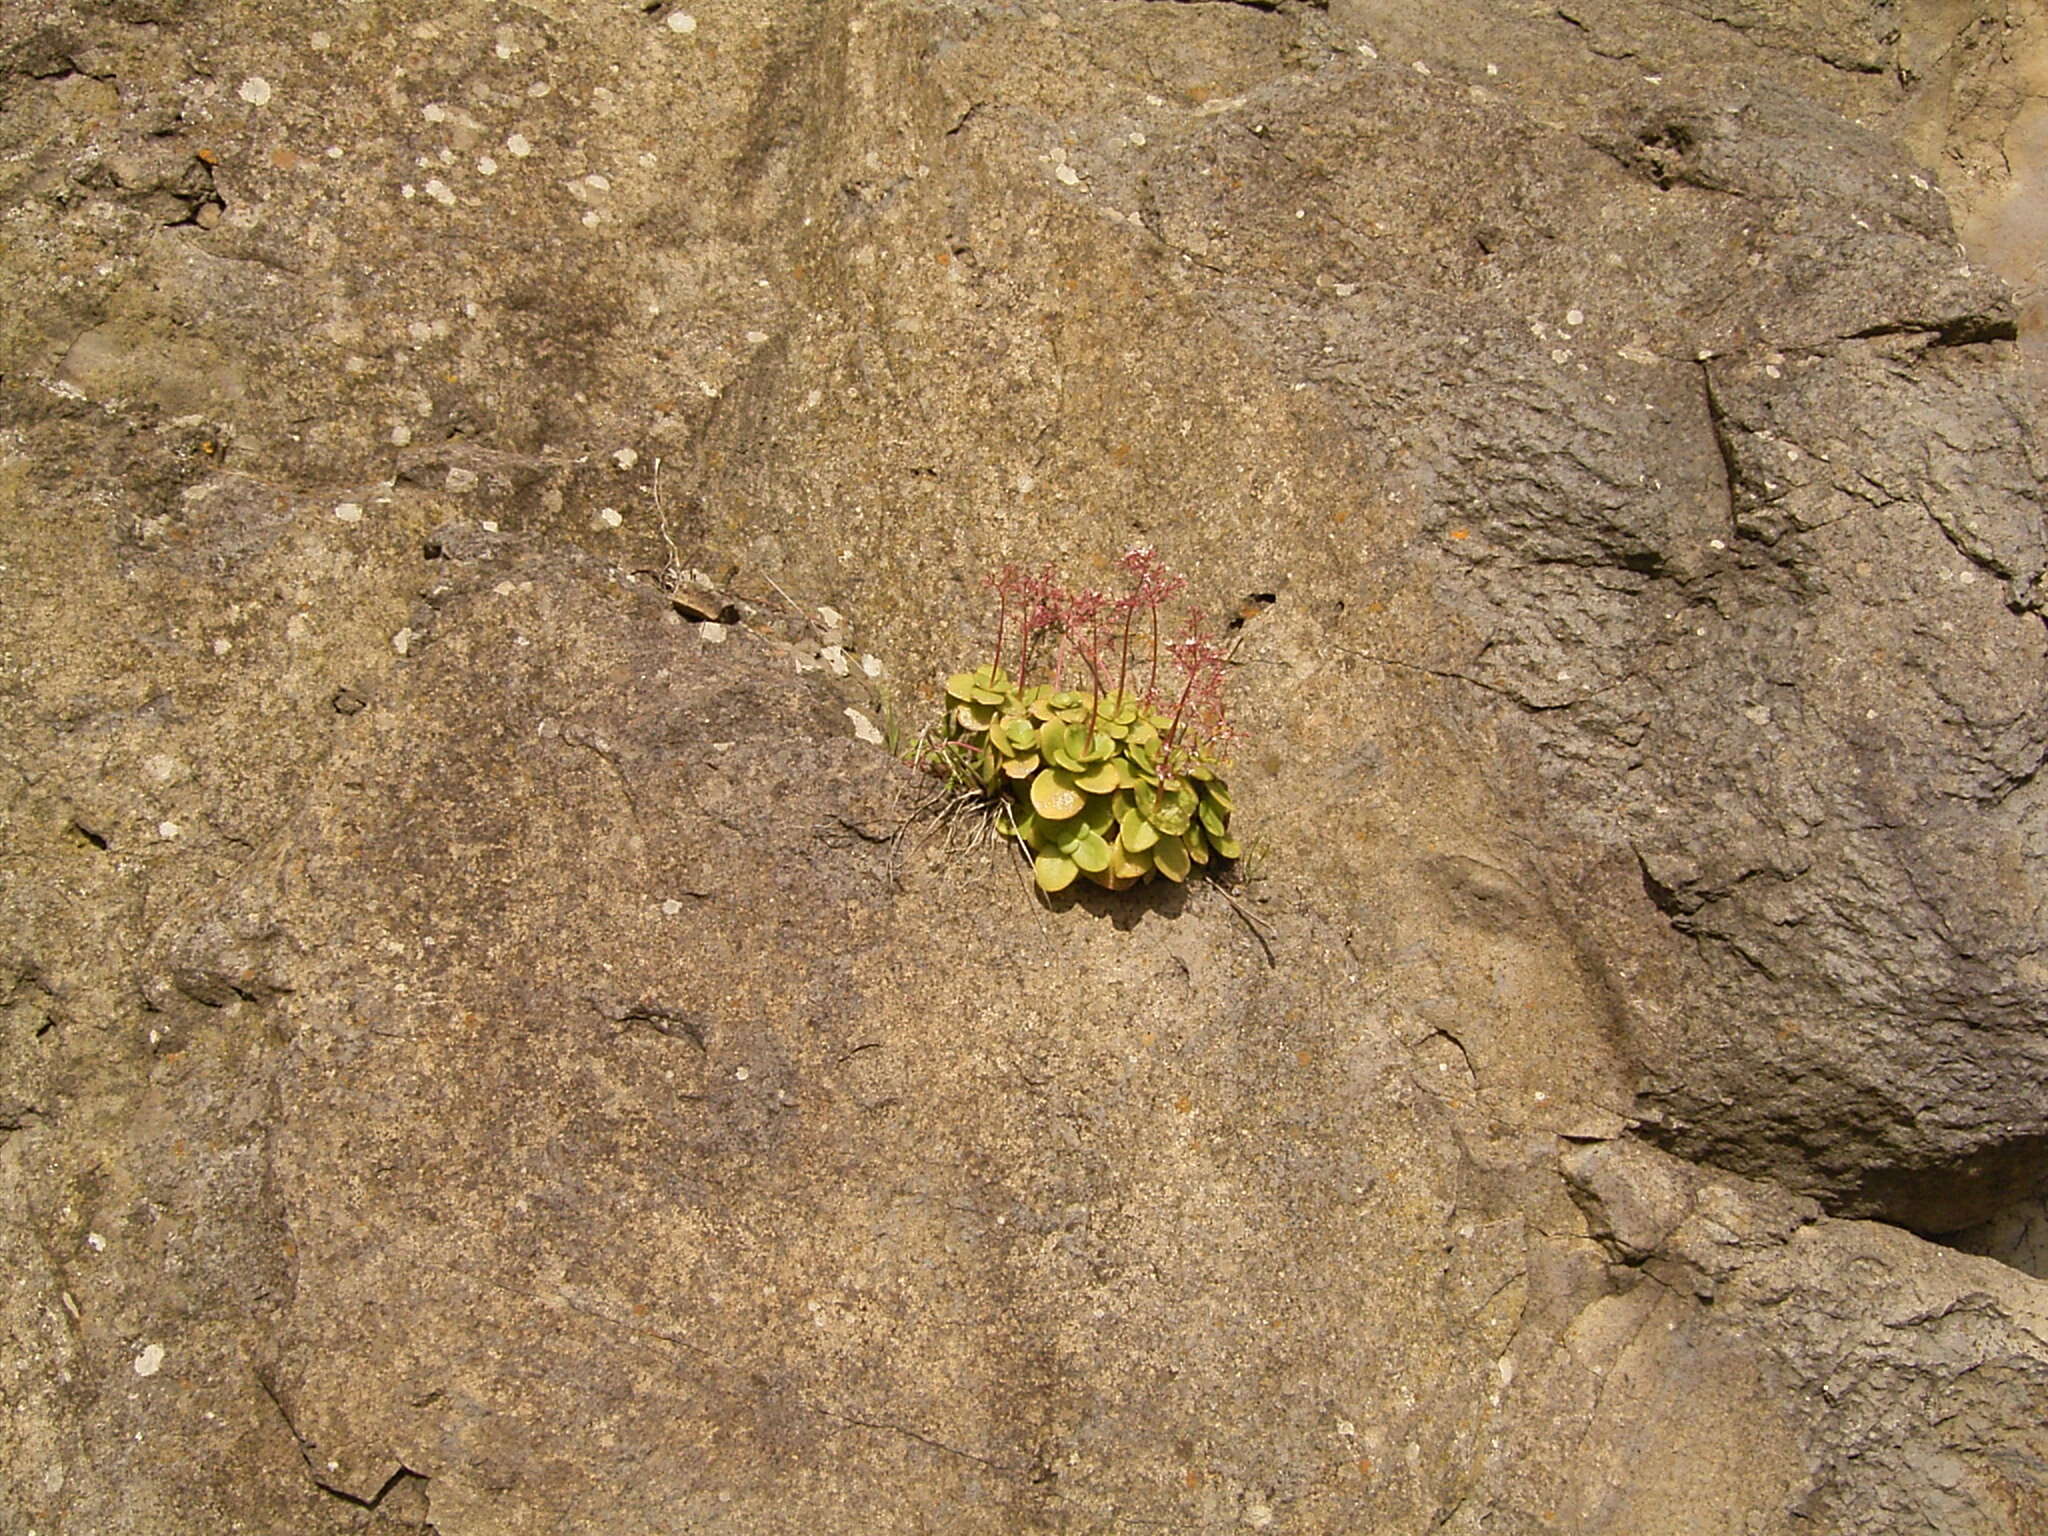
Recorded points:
1096,786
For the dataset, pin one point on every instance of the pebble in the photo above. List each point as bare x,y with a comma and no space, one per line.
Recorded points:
348,512
518,146
255,90
682,21
150,1361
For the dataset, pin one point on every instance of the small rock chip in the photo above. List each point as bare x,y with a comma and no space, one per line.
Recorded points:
255,90
150,1361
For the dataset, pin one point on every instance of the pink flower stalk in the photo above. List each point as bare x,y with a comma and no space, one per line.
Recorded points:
1200,662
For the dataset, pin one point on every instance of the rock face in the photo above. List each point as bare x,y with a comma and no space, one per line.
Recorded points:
484,1044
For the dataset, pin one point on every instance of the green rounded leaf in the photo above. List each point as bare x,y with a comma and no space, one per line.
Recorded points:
1053,873
1213,820
1170,858
1135,832
1027,826
1128,867
1021,767
1090,853
1227,847
1171,816
1061,744
1054,796
1102,779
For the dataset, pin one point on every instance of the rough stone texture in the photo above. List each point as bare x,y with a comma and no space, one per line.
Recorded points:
473,1049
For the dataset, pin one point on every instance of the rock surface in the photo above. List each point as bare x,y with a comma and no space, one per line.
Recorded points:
484,1044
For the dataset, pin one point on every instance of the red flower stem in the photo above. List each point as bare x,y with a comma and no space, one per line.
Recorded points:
1002,618
1123,663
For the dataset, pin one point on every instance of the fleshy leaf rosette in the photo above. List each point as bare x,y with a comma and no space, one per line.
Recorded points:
1094,785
